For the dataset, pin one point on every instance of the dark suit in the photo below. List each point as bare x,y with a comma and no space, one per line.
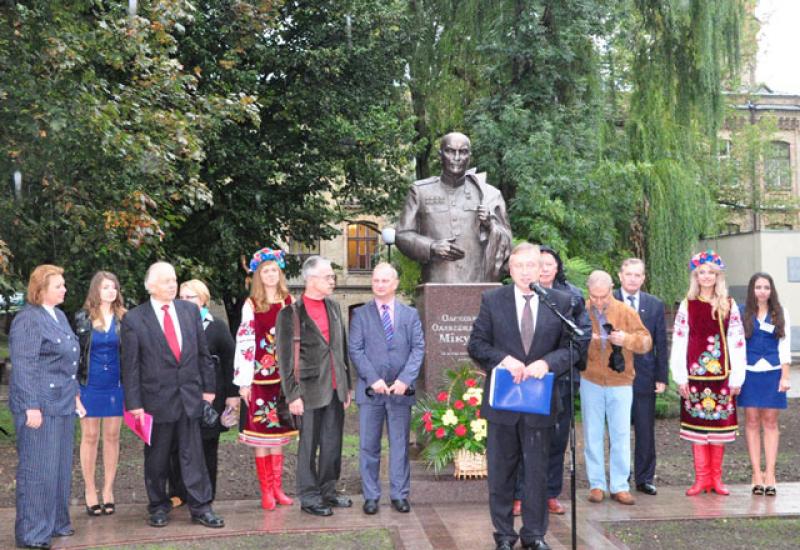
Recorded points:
650,368
44,358
322,424
376,359
172,392
514,436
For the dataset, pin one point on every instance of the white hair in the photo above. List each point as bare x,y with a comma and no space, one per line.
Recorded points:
311,264
388,267
599,278
153,270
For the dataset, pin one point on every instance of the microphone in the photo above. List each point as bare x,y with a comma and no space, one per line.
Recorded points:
538,289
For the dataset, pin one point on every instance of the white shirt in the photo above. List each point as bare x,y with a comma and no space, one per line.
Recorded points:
51,310
520,303
172,313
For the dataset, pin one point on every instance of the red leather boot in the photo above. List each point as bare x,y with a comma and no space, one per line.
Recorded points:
702,470
264,469
277,482
717,453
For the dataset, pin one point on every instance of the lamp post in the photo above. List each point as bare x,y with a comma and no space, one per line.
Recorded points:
387,234
17,184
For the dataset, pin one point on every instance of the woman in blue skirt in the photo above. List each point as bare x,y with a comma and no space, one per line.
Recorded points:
766,325
97,326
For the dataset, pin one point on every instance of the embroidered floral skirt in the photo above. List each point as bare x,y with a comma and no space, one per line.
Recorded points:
709,415
259,424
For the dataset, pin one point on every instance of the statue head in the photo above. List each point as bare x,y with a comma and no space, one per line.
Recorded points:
454,151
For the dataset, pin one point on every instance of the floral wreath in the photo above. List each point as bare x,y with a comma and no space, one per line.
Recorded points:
268,254
706,257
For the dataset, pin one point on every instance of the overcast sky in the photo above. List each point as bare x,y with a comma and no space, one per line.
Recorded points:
779,45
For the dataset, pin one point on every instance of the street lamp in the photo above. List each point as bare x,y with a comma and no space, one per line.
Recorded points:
387,234
18,184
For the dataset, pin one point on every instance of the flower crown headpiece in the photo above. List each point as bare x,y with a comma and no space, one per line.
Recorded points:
706,257
268,254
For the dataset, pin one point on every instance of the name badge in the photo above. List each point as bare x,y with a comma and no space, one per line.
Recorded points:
767,327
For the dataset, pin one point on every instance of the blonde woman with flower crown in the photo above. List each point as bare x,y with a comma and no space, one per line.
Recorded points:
708,361
257,375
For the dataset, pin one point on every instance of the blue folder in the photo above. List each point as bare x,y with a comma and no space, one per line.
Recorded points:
529,396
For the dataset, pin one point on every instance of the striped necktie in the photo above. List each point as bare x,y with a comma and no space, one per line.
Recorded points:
388,330
632,300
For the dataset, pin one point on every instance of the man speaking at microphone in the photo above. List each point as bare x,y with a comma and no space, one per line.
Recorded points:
513,331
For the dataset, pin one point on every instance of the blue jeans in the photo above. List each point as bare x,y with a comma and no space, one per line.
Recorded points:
611,405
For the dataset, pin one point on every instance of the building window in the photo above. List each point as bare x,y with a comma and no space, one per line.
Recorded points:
362,246
303,250
778,167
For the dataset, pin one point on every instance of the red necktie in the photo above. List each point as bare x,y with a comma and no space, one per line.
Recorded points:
169,332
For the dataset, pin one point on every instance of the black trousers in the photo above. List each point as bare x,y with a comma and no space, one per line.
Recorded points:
507,447
559,439
643,414
175,487
319,452
193,473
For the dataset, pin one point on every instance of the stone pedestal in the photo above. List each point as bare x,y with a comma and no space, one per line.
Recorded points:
447,312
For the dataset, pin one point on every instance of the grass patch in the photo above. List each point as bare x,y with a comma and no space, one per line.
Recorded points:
369,539
7,423
3,345
729,533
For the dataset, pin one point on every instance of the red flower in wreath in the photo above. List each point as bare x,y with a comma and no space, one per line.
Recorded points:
470,383
458,405
478,413
473,401
428,427
440,433
461,430
442,397
427,417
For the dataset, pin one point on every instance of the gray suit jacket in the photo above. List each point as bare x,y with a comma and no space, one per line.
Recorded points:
44,361
316,378
375,359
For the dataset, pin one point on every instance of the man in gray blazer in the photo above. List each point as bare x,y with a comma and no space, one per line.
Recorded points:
321,391
386,347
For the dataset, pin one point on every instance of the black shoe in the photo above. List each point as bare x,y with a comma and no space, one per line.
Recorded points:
108,508
370,507
505,545
40,545
317,509
158,519
209,519
401,505
339,501
647,488
538,544
95,510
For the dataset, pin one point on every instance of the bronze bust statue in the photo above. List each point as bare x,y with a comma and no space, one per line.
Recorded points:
455,224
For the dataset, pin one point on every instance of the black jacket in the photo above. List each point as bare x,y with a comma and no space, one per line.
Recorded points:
222,348
82,325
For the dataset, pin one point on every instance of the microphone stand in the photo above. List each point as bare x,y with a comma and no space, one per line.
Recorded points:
574,334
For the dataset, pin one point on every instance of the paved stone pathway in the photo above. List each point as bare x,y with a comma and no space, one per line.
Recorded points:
428,526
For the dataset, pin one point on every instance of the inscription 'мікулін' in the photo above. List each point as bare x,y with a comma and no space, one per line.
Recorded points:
453,329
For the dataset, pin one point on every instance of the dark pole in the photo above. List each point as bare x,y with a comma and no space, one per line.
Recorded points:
752,107
389,252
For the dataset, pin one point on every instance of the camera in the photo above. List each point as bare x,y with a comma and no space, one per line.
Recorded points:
616,361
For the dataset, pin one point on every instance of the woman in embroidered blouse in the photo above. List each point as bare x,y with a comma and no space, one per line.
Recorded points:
97,325
708,364
766,327
256,373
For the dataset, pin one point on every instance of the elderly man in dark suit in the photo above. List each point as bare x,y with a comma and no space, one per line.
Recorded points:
319,391
167,372
651,371
386,347
515,332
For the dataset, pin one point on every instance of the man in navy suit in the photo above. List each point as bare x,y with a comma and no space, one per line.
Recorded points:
387,347
651,371
514,331
167,372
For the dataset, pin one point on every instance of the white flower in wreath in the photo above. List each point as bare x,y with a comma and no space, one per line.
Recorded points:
449,418
477,393
478,428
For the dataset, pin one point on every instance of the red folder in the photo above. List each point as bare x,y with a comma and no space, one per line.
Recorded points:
143,429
